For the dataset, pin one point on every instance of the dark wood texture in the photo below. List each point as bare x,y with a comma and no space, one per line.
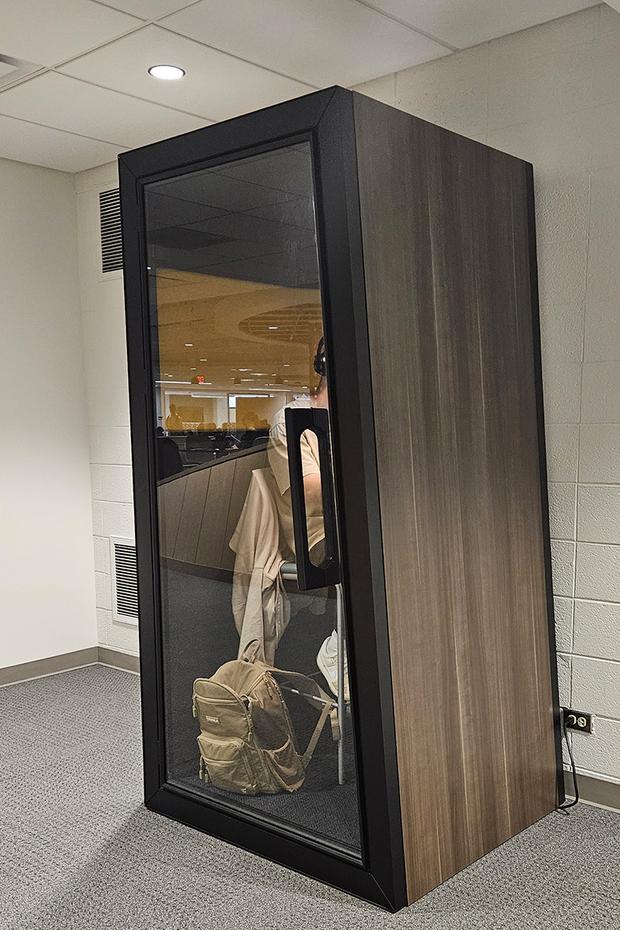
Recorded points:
199,510
445,233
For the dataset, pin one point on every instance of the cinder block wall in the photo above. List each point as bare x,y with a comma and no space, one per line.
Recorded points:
107,400
551,95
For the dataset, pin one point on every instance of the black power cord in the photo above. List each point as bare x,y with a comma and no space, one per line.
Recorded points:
564,807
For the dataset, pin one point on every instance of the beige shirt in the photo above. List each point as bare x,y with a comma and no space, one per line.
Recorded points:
278,459
260,606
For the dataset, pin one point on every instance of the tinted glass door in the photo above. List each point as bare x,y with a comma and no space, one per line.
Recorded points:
236,342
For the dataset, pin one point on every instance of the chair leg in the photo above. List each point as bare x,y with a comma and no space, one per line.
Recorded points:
341,676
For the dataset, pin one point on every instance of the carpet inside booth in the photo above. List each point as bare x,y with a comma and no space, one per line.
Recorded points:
199,636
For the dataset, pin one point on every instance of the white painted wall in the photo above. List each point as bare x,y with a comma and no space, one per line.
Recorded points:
47,590
551,95
107,401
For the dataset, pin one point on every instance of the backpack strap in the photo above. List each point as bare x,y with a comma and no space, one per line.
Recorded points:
307,756
309,689
316,697
251,653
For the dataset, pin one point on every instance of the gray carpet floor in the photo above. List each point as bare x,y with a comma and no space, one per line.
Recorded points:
80,852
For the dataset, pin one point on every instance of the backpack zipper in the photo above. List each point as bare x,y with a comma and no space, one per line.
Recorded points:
241,700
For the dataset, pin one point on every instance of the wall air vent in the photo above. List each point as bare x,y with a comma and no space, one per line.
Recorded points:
124,580
110,224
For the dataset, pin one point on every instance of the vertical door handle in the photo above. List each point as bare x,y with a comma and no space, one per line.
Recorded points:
316,419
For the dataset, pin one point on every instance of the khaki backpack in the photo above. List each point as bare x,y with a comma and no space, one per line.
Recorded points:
247,742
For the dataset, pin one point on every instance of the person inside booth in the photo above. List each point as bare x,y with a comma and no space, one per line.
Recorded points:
277,454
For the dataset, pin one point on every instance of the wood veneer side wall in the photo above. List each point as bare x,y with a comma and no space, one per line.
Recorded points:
446,253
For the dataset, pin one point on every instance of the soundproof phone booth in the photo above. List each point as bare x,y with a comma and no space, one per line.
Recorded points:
346,628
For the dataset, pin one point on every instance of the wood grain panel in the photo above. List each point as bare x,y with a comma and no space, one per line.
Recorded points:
199,511
225,497
211,542
170,500
445,235
243,473
192,511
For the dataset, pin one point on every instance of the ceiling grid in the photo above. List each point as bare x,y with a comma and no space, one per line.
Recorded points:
74,87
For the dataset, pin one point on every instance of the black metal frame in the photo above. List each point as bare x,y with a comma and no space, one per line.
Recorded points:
544,492
326,120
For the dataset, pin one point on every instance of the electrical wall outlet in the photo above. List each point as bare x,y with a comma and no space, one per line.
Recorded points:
577,720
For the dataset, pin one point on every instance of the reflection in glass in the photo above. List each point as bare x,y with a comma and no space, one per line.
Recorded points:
237,328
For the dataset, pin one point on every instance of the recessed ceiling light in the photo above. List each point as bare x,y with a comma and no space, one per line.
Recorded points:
202,359
193,369
167,72
272,327
188,345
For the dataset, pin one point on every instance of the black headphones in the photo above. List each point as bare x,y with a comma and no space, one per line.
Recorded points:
320,359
